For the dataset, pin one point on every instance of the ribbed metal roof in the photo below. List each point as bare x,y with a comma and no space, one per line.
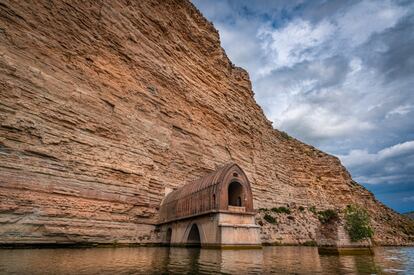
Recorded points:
195,186
205,195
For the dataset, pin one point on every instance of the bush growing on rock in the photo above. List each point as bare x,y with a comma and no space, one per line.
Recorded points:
312,209
357,223
269,219
327,216
285,135
281,209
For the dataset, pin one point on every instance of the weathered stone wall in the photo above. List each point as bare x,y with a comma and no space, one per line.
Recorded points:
215,229
105,104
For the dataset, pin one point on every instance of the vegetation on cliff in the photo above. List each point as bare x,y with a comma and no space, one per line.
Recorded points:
281,209
327,216
269,218
358,223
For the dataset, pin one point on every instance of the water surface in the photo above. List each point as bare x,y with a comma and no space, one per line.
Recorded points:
161,260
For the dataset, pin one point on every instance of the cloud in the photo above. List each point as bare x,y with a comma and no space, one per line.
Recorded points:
297,42
391,165
335,74
360,21
300,40
408,199
359,157
400,111
320,123
313,82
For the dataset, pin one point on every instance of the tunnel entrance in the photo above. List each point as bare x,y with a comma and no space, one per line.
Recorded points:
235,194
194,236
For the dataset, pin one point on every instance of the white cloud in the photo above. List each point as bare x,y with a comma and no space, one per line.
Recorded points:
400,110
320,123
232,39
363,157
365,18
297,42
381,179
300,40
397,150
356,65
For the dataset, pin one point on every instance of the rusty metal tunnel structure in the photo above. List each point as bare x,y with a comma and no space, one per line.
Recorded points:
220,204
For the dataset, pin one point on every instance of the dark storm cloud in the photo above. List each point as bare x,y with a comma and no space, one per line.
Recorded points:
336,74
392,52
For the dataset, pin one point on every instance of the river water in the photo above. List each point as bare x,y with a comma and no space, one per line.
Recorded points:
162,260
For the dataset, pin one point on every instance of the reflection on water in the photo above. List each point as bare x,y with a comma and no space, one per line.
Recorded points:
156,260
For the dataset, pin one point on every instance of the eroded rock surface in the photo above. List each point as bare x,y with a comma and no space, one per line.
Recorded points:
104,105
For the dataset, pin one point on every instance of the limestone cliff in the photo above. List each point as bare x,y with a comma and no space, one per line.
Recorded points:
105,104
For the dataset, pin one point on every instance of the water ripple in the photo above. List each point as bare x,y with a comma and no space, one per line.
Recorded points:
157,260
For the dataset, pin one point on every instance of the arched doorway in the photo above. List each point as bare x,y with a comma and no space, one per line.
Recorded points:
235,194
168,236
194,236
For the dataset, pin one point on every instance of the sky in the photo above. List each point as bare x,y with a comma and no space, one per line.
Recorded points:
338,75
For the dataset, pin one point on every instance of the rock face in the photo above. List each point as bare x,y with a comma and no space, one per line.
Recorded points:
105,105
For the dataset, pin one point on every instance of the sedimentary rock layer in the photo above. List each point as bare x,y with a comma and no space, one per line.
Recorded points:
105,104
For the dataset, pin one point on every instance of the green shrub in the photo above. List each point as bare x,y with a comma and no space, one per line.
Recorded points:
357,223
301,208
281,209
285,135
269,219
312,209
263,209
327,216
